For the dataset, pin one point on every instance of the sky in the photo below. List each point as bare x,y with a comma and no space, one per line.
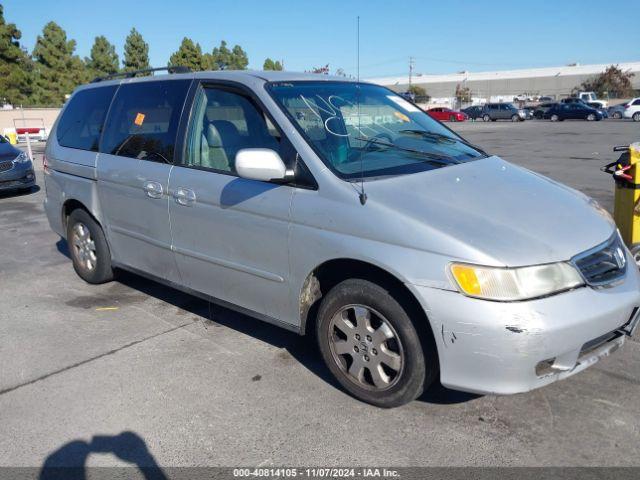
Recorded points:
442,36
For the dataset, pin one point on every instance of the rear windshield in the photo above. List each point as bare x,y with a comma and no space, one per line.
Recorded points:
82,120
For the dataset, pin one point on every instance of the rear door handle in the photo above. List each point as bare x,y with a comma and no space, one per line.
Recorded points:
153,189
184,196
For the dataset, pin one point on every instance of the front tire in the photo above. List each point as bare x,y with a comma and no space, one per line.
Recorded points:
486,117
591,117
617,115
370,345
89,249
515,118
555,118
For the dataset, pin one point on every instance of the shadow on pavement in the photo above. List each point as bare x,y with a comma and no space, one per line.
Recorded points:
19,193
69,461
302,348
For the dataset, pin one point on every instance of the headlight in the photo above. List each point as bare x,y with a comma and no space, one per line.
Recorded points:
22,158
511,284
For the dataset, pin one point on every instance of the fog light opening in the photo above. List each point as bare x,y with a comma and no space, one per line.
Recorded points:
545,367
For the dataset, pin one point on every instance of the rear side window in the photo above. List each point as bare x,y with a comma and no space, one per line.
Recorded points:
81,122
143,121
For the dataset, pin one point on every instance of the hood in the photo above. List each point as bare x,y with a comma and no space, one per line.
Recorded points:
8,152
494,212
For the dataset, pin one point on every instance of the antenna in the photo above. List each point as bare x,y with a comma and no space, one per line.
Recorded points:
362,195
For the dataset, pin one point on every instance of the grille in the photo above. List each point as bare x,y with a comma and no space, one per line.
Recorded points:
604,264
4,166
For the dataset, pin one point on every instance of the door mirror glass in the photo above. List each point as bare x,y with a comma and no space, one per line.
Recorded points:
261,164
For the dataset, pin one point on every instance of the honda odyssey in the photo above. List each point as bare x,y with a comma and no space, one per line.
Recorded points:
340,209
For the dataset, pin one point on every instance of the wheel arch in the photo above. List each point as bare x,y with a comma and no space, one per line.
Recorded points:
331,272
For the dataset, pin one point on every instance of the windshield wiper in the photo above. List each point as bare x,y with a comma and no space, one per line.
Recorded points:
440,136
434,158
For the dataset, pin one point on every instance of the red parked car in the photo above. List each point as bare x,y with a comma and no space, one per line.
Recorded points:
446,114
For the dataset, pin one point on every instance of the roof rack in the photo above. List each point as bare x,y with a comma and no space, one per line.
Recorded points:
133,73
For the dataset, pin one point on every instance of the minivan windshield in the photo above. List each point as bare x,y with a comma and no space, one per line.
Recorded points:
364,131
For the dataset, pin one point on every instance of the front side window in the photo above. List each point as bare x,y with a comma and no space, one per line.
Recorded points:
144,118
223,122
82,120
364,131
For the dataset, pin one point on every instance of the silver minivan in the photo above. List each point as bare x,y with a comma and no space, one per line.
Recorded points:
340,209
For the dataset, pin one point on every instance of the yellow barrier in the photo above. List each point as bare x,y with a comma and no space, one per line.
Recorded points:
627,193
13,138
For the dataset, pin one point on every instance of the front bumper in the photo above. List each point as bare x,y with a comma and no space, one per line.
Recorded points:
21,175
504,348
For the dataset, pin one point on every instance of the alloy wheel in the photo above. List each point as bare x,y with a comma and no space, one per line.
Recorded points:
366,347
84,247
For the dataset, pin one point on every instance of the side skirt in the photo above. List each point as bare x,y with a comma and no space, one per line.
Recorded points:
209,298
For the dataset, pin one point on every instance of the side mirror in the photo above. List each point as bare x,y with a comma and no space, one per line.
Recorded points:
261,164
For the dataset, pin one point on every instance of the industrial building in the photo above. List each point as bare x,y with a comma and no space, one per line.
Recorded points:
557,82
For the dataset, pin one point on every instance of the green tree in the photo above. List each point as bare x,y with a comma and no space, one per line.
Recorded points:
16,68
224,59
188,55
57,70
104,59
136,52
463,94
612,82
272,65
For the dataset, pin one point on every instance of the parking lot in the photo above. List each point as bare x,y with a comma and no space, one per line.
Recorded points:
196,384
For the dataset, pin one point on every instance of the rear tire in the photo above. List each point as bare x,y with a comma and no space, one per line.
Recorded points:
617,115
88,247
371,346
636,117
453,118
555,118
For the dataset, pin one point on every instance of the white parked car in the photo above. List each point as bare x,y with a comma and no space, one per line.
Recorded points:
632,109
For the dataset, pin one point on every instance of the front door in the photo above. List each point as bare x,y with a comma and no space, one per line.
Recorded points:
133,174
230,235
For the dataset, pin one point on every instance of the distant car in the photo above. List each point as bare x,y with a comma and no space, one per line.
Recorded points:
474,112
546,99
572,111
597,106
502,111
542,109
616,111
632,109
569,100
528,111
16,168
446,114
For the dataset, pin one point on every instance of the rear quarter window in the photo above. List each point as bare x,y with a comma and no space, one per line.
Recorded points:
82,120
143,121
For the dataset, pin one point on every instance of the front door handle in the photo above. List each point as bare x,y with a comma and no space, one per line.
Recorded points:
184,196
153,189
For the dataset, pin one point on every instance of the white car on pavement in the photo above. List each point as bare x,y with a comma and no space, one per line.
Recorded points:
632,109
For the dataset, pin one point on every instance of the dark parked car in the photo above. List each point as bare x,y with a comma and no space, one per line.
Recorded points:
546,99
570,100
597,106
528,112
502,111
572,111
16,168
616,111
542,109
474,112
